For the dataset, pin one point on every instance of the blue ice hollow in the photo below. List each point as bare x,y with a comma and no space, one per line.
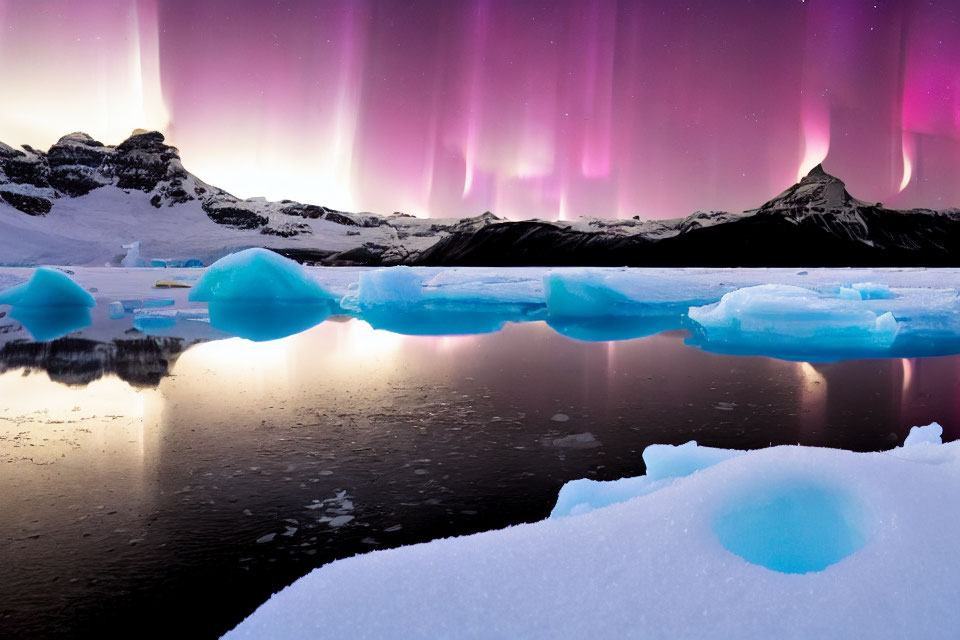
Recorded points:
257,275
794,323
47,288
793,524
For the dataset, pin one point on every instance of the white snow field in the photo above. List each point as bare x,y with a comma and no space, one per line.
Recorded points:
785,542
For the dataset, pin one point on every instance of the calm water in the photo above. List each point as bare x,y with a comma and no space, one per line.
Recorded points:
141,510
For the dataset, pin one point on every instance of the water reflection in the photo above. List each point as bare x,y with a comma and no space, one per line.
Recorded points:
48,323
267,320
253,462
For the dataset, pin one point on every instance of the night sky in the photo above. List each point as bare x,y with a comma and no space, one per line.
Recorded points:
554,109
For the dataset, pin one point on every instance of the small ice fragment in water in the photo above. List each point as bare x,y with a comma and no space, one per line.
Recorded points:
339,521
576,441
267,538
560,417
116,310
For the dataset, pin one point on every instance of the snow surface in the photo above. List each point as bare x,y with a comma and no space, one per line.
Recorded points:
660,565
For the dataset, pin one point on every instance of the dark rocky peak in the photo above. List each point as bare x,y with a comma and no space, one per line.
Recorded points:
77,138
817,192
7,151
150,141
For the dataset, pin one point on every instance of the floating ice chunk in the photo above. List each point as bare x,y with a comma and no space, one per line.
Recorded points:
596,306
173,263
133,257
847,293
47,288
930,434
390,286
663,461
793,323
257,275
873,291
669,461
132,304
395,299
260,295
116,310
575,441
584,294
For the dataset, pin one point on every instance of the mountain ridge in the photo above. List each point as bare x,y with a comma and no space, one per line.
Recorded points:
79,183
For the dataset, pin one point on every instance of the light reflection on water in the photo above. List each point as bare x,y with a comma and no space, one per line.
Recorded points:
121,502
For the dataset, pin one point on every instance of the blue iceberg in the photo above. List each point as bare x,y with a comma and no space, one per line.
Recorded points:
260,295
49,304
47,288
257,275
396,299
793,323
597,306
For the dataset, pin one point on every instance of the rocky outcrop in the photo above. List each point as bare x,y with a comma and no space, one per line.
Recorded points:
815,222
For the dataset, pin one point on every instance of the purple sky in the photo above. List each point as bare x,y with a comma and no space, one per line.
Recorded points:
452,107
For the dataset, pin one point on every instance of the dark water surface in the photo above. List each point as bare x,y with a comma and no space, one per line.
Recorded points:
174,511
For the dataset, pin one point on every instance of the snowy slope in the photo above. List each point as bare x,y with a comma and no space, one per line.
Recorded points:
80,200
690,559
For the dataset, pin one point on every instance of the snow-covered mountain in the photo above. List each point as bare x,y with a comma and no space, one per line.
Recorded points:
79,201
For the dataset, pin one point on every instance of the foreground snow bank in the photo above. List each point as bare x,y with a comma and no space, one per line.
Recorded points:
785,542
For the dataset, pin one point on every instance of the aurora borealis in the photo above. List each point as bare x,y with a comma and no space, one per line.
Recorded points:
554,109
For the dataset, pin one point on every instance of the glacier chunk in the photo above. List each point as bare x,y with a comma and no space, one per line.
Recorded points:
49,304
47,288
664,463
257,275
929,434
260,295
398,299
793,323
593,305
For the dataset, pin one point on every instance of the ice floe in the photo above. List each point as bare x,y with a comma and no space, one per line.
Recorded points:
260,295
49,304
785,542
793,323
